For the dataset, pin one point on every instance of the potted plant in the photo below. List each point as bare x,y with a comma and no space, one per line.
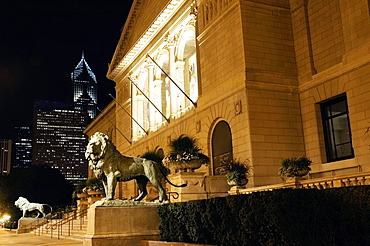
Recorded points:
294,167
184,155
238,172
79,190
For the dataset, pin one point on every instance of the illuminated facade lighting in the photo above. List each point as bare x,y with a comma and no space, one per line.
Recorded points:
163,18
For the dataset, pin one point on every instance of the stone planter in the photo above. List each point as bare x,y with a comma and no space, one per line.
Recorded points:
233,183
188,166
301,173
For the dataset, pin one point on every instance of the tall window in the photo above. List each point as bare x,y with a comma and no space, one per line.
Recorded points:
337,131
222,147
155,97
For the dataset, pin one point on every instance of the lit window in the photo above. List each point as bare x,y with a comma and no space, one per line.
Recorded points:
337,131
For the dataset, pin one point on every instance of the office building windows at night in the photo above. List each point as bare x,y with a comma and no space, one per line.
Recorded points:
23,147
5,155
59,140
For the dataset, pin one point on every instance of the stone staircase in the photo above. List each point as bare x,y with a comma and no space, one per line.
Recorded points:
73,226
75,230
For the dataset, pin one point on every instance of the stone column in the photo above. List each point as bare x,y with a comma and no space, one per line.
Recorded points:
173,89
151,96
140,100
134,113
157,100
180,82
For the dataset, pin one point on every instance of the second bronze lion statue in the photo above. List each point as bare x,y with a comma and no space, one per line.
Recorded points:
111,166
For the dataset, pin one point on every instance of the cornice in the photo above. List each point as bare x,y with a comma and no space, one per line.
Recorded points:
122,58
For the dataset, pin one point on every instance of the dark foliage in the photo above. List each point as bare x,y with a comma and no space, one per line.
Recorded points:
153,156
339,216
183,144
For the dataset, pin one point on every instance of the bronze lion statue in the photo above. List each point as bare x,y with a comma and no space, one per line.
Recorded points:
110,166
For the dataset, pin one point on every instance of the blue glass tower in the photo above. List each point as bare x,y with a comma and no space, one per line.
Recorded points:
85,90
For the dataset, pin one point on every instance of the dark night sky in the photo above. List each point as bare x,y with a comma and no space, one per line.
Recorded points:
41,42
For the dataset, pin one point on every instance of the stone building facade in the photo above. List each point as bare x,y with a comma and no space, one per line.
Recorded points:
259,80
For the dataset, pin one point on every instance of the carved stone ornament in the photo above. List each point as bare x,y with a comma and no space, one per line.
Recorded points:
238,107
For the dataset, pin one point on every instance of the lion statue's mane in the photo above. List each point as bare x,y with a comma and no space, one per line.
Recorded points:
110,166
24,205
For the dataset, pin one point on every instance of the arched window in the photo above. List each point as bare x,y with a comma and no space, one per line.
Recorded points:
140,106
222,147
187,65
166,79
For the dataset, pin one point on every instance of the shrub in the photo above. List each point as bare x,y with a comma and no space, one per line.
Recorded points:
338,216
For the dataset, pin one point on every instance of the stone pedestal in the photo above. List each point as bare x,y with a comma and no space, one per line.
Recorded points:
27,224
294,182
217,186
199,186
195,188
123,226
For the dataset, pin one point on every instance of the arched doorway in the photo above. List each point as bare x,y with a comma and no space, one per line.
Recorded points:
222,147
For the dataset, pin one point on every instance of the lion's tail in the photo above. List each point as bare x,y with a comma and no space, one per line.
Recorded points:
168,181
164,173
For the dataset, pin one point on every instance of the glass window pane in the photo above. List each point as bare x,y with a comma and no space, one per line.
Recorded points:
337,130
341,130
344,150
338,108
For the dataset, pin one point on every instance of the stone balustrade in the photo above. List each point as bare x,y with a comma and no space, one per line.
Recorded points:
355,179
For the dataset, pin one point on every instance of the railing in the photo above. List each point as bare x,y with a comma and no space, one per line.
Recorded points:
175,195
317,183
54,226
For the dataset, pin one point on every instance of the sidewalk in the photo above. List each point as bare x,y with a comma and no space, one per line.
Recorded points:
8,237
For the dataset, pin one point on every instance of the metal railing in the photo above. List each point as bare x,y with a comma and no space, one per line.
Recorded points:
59,223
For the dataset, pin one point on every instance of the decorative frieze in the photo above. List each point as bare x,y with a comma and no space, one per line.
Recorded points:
212,9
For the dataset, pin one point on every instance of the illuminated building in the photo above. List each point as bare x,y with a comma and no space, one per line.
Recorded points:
59,140
5,155
23,147
257,80
85,95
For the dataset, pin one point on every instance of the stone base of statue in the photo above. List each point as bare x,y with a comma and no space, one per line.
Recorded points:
121,222
27,224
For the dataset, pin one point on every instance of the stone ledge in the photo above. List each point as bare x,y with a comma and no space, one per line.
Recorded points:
164,243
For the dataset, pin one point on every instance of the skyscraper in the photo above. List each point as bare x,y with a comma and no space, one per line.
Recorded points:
5,155
58,139
85,92
23,147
